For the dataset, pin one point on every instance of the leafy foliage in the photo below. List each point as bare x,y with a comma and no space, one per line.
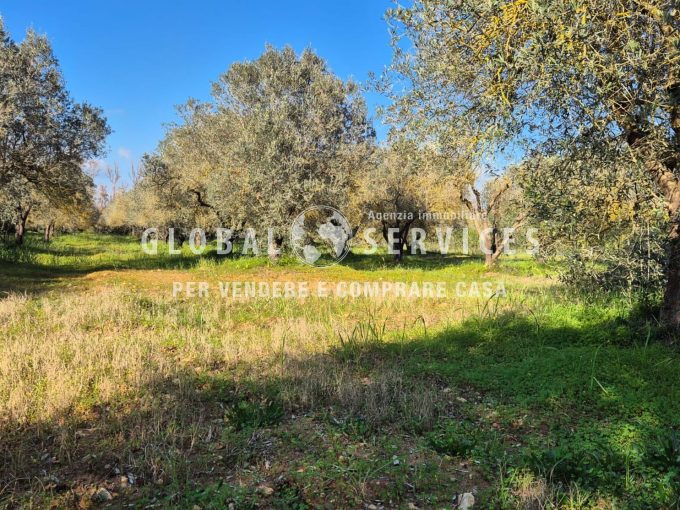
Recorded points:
594,84
282,133
45,137
604,220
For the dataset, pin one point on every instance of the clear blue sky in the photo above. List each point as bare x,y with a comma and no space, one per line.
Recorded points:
137,60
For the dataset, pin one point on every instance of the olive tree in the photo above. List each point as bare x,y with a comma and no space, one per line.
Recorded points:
403,188
486,208
45,138
282,133
604,220
561,77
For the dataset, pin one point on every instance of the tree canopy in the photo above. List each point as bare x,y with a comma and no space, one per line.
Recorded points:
45,137
563,78
282,133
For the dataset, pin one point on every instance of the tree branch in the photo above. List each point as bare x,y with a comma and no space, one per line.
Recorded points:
199,199
497,196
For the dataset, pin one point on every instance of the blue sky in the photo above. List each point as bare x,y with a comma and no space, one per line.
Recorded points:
137,60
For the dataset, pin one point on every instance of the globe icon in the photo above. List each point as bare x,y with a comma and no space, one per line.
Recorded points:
320,236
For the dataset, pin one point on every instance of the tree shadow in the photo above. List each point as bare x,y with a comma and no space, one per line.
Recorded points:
37,268
531,384
425,262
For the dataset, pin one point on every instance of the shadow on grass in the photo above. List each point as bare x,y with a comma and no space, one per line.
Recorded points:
38,267
587,397
425,262
35,278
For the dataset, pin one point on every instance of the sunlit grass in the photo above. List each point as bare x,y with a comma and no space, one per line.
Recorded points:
555,398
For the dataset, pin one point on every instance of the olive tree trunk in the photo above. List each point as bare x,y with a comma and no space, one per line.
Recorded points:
20,226
669,184
488,240
398,244
49,231
274,248
670,309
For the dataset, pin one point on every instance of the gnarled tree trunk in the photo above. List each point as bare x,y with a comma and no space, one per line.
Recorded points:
49,231
490,239
398,244
670,309
274,248
669,184
20,226
488,235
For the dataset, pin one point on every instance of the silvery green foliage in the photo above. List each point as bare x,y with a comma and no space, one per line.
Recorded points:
604,220
45,137
568,79
589,71
281,133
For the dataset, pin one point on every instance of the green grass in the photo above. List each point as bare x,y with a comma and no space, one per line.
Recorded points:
540,399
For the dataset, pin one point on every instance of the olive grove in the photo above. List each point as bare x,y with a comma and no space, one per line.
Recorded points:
564,79
45,137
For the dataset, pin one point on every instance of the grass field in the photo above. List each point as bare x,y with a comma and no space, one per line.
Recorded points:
115,393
